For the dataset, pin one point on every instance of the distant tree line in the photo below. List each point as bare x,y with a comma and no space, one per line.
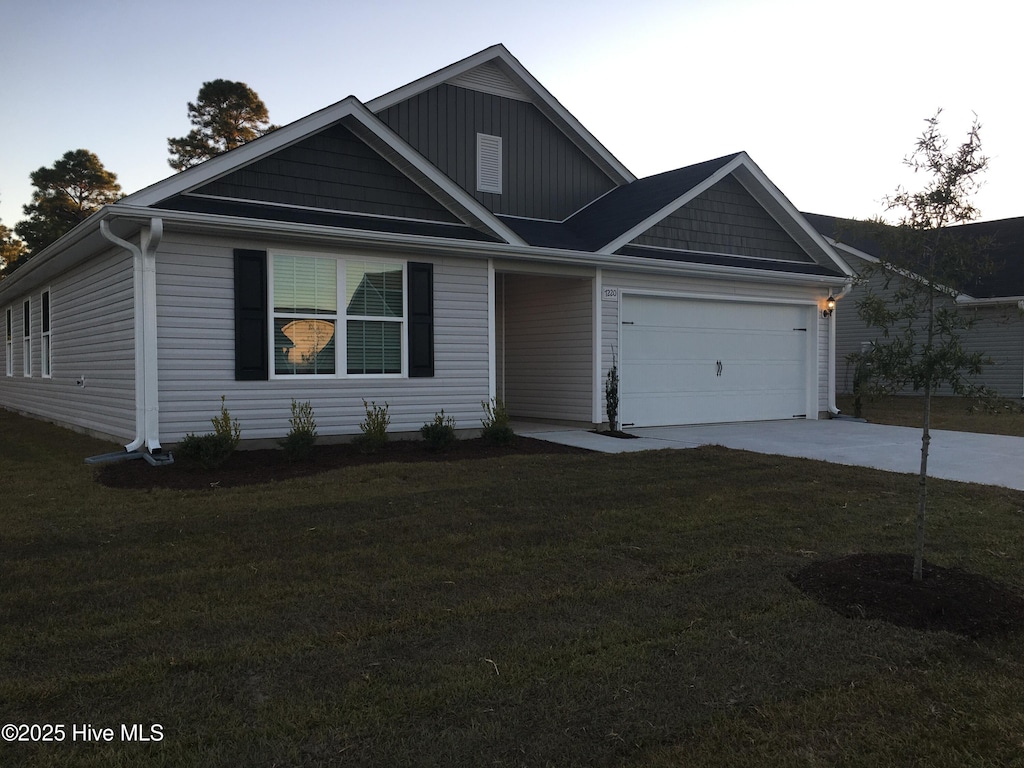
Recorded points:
225,115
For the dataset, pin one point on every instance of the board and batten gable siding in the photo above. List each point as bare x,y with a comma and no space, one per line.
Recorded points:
92,325
724,219
545,175
545,346
661,285
195,289
335,171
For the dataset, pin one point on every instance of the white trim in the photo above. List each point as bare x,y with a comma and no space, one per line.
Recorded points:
26,338
764,186
191,179
492,348
340,316
9,341
541,98
46,333
598,367
638,229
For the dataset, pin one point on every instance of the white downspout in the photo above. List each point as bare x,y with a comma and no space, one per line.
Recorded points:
147,409
832,407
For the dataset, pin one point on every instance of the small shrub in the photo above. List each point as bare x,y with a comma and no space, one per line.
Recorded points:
439,433
611,395
211,450
374,427
226,428
497,422
298,444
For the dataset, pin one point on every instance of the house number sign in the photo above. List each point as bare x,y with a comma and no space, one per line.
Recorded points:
611,293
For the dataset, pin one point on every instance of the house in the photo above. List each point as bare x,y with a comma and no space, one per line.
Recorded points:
459,239
994,300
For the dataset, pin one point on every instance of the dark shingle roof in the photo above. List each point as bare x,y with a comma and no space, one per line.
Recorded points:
617,212
1006,250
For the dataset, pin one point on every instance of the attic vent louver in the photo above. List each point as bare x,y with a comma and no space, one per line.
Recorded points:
488,163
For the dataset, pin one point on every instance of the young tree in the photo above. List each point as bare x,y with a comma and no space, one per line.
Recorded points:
66,194
923,264
226,115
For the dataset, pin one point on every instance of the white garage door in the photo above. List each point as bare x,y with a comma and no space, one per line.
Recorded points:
691,361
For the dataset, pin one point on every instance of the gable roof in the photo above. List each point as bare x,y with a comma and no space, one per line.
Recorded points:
1006,251
612,223
358,119
495,70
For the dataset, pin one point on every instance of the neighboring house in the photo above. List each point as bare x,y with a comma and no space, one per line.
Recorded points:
459,239
994,300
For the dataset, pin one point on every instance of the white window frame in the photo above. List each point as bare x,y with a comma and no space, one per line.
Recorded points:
488,163
46,317
341,317
26,338
9,344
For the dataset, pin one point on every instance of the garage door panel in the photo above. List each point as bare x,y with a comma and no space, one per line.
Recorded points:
670,354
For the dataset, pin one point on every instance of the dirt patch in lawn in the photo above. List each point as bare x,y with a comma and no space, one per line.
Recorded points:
272,465
880,586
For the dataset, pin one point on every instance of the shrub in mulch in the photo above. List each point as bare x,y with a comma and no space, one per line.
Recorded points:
880,586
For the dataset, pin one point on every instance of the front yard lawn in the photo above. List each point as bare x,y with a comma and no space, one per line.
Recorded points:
524,610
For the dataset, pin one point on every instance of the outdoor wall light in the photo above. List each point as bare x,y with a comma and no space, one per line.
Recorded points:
830,306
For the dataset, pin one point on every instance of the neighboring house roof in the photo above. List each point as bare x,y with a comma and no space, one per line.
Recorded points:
1005,250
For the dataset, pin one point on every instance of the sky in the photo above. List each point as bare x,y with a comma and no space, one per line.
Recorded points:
826,97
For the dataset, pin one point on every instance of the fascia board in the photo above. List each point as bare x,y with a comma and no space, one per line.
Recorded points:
46,264
766,186
239,157
401,243
631,234
543,100
292,133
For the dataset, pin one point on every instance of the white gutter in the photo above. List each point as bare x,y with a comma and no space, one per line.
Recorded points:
970,301
457,247
832,407
147,406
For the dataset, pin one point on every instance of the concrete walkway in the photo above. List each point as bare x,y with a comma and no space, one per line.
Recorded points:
964,456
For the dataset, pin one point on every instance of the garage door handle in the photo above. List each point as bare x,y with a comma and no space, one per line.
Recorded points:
719,368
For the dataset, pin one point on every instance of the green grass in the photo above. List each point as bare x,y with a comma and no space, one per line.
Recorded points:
954,413
566,610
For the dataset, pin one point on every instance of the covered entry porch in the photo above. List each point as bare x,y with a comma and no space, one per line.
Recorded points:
544,346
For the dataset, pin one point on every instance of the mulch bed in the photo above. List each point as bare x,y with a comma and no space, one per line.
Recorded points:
880,586
271,465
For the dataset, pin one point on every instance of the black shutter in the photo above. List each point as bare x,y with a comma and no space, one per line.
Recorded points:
421,319
251,341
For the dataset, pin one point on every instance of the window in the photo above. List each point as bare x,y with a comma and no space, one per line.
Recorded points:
305,315
9,348
374,316
45,352
310,329
488,163
26,344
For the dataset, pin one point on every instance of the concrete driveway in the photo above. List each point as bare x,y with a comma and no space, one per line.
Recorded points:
964,456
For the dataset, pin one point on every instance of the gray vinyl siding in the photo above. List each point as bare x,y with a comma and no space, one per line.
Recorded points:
724,219
545,175
998,333
92,328
332,170
545,346
662,285
196,352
